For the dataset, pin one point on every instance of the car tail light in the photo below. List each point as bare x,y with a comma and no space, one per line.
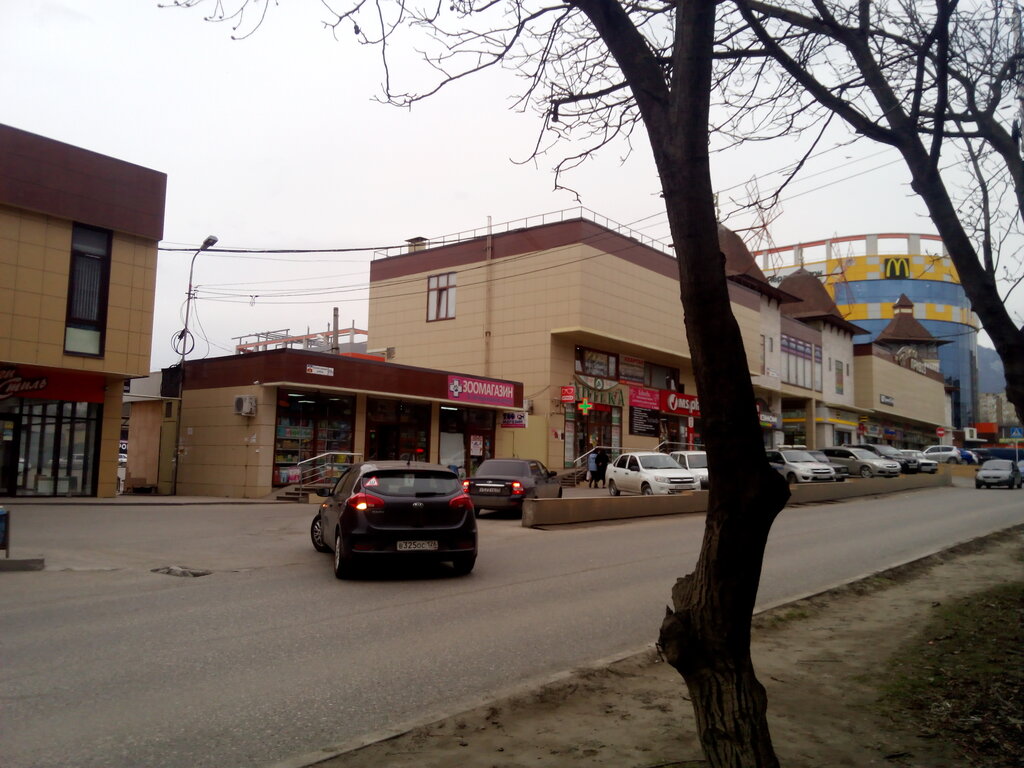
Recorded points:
365,501
461,502
465,486
517,488
464,544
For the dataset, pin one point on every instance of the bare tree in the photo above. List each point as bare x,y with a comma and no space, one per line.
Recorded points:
597,70
943,85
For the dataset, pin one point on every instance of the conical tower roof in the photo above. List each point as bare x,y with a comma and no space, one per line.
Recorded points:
814,303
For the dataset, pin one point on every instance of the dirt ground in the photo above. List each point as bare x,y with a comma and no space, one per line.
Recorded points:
820,659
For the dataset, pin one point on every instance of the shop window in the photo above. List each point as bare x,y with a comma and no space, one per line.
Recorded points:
661,377
592,362
441,297
89,278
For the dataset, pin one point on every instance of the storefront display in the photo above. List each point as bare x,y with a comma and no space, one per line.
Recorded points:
310,425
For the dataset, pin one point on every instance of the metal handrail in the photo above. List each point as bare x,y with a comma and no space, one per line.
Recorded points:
324,466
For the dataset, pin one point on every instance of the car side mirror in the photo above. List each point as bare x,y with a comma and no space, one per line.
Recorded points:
324,492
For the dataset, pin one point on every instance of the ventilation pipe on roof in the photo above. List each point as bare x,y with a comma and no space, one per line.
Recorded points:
416,243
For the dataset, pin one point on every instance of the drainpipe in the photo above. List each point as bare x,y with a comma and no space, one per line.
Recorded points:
488,296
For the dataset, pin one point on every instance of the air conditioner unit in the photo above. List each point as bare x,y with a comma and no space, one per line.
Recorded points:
245,405
970,433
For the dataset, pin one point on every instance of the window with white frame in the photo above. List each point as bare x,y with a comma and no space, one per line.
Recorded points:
441,297
88,285
801,363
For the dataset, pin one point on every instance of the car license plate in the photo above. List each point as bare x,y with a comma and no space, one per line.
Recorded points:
407,546
488,489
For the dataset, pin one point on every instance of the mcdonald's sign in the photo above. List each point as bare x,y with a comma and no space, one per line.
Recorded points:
897,269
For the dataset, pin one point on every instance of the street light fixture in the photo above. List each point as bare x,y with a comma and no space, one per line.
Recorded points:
183,344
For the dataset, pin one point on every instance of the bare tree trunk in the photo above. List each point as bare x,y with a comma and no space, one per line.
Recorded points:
706,635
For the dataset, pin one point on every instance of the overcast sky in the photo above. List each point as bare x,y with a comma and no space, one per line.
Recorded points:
275,142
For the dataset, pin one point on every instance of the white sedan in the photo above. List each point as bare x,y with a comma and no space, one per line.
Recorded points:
648,473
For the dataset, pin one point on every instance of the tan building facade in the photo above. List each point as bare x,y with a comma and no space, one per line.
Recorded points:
588,317
78,254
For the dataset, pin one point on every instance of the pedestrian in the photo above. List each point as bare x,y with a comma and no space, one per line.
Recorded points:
602,465
592,469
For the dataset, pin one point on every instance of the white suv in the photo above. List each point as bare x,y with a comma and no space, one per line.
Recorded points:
696,462
944,454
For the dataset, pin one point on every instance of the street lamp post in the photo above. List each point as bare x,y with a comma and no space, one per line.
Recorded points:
183,344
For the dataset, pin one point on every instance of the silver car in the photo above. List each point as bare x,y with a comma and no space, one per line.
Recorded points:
648,473
862,462
995,472
924,464
798,466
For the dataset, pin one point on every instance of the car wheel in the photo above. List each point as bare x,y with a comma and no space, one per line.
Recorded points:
612,488
316,533
791,478
342,562
977,485
463,564
952,460
865,471
646,490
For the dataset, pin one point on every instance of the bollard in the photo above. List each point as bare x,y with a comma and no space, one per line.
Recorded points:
4,532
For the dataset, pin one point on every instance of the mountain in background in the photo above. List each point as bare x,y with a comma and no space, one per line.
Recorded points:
990,371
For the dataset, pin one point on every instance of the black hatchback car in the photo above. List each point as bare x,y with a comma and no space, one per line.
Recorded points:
397,510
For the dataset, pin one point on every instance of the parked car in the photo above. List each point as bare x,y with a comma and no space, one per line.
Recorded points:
696,462
908,464
841,470
399,511
503,484
648,473
798,466
968,457
924,464
944,454
998,472
861,462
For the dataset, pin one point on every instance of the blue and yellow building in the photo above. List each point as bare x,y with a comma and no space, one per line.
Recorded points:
867,274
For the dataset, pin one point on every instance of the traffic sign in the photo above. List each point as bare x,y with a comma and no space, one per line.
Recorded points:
1017,433
940,432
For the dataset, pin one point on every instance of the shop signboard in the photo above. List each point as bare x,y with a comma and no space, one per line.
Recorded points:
642,397
643,421
631,369
27,381
466,389
601,392
569,394
678,403
513,420
320,370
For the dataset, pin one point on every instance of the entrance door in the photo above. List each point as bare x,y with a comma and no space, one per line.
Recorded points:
10,428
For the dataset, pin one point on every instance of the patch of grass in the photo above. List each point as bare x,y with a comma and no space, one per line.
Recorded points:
962,677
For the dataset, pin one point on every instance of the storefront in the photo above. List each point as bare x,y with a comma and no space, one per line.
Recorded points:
50,427
257,421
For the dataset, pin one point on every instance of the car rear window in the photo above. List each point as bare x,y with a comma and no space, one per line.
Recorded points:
499,467
411,482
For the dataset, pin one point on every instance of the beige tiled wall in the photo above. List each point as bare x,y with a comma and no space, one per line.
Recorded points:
34,263
916,397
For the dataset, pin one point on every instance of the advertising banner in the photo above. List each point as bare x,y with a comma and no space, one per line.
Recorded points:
675,402
642,397
466,389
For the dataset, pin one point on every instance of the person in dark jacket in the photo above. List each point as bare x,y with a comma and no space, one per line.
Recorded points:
602,465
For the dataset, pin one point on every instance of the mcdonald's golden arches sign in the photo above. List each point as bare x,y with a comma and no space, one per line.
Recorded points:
896,268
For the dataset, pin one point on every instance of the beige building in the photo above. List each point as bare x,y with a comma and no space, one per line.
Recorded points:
78,254
588,317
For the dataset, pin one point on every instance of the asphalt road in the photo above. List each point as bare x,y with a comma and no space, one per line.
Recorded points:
104,663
